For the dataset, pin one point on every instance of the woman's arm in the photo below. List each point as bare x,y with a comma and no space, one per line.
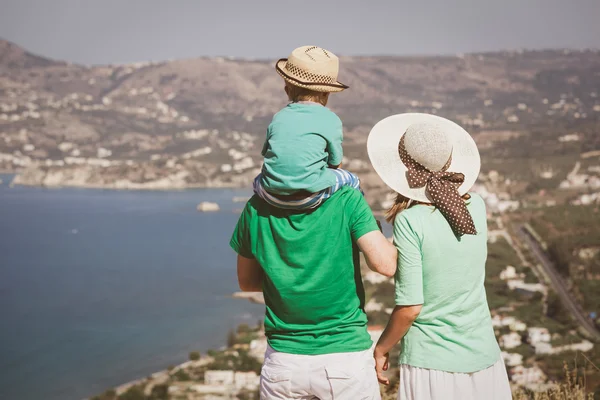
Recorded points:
400,321
381,256
250,274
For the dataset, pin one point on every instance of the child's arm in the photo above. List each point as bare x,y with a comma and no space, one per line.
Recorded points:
334,146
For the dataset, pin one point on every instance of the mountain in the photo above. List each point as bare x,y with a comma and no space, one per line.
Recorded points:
201,122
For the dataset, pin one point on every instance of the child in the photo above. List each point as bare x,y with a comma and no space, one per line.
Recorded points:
303,149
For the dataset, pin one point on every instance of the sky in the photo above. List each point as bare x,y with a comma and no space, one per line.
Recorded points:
116,31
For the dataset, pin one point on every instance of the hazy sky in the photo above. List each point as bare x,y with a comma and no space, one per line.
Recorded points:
110,31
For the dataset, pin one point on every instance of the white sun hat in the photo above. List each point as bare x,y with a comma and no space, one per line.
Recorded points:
431,141
311,67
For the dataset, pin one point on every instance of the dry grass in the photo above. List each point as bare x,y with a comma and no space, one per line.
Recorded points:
573,388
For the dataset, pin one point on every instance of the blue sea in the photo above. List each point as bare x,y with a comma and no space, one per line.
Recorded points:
101,287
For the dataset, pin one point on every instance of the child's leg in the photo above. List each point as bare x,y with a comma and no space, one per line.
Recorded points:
307,203
343,178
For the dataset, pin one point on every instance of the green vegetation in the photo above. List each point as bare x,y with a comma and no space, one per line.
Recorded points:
569,230
181,376
194,356
159,392
238,360
500,254
133,393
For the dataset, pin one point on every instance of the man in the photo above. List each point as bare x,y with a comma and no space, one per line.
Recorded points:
307,265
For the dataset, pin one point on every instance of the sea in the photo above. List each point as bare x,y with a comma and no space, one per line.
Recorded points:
100,287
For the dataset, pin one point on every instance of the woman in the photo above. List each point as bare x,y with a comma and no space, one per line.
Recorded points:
448,350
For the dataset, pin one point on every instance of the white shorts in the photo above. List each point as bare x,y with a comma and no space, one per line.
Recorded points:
337,376
429,384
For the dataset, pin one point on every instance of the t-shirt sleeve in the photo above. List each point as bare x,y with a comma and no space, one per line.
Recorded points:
409,275
334,143
240,239
362,220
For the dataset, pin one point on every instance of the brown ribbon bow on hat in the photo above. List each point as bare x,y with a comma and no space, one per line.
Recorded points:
441,188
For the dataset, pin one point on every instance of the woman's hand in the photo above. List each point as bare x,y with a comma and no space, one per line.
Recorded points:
382,363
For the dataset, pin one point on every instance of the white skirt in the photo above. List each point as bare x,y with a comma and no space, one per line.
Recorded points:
428,384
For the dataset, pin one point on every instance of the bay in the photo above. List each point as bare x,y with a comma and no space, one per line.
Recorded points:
100,287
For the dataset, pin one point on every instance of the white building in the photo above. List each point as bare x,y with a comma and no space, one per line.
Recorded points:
537,335
246,380
518,326
258,347
219,377
510,340
512,359
527,376
509,272
543,348
499,321
518,284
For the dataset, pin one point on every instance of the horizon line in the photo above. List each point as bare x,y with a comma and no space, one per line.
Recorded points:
519,50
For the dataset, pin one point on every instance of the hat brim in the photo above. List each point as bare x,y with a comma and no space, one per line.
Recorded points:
317,87
382,146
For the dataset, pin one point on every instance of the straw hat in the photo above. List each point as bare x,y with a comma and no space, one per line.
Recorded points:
313,68
431,141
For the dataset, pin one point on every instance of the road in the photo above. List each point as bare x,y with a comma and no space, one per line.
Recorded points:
559,284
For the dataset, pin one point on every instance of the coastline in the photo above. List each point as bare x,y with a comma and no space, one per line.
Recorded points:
133,188
147,186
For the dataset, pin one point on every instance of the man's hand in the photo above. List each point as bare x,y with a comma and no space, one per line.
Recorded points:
382,363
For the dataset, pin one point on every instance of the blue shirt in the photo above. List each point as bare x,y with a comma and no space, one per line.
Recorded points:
303,139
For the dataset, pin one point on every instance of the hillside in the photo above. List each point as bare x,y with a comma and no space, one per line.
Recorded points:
200,122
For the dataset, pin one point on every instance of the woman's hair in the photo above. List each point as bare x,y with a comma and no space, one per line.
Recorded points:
402,203
296,93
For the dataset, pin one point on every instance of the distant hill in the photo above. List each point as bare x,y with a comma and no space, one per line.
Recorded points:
207,116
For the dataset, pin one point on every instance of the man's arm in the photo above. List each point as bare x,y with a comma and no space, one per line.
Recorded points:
401,319
380,254
250,274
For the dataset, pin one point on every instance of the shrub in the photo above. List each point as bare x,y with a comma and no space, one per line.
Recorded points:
194,356
181,375
160,392
133,393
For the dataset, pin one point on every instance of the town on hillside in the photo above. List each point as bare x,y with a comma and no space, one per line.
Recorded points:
535,116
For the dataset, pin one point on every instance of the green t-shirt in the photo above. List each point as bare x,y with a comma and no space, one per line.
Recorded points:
446,275
302,140
313,289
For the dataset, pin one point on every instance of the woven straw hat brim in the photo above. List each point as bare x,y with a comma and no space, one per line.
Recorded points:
382,146
318,87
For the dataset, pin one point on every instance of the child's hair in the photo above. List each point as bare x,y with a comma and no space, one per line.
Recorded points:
402,203
297,93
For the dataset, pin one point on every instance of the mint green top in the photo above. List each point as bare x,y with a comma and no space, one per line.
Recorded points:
445,274
313,289
302,140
